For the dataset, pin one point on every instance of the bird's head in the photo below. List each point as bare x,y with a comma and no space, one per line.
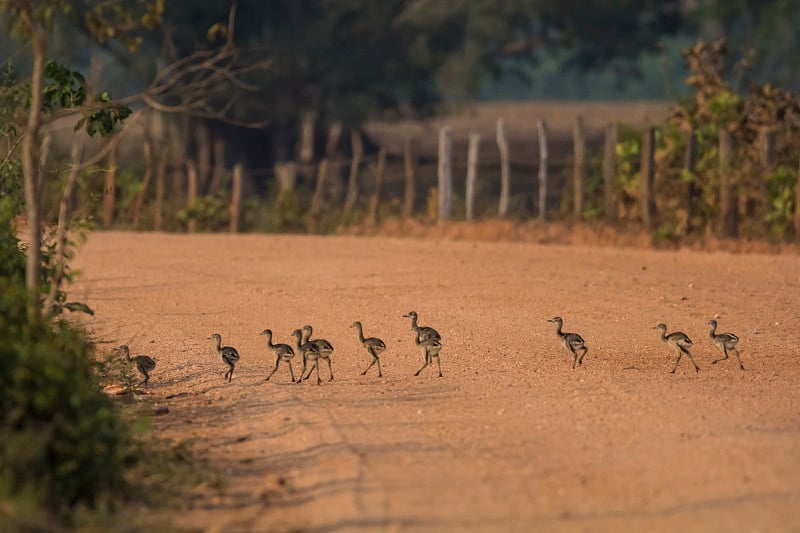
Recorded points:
712,323
307,329
298,334
356,324
660,326
215,337
410,314
556,320
266,332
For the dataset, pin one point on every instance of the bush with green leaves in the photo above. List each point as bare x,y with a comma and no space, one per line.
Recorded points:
63,443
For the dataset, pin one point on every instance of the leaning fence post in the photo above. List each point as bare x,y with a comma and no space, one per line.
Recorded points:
445,172
472,172
410,166
543,159
579,166
236,198
374,202
610,173
505,168
647,202
191,194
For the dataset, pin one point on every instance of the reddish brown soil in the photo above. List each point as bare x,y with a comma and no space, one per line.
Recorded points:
512,438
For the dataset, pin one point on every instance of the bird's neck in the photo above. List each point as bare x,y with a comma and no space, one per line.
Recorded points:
219,343
713,333
269,341
360,333
558,329
414,325
306,333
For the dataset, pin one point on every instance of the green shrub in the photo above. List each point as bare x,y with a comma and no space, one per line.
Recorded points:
64,444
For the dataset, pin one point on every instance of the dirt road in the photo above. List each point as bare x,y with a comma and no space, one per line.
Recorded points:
512,438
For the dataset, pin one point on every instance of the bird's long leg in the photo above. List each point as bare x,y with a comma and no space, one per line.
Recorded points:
319,381
439,362
725,356
277,362
580,359
574,356
310,369
374,359
687,352
330,368
736,351
230,375
291,370
378,360
678,360
427,362
303,371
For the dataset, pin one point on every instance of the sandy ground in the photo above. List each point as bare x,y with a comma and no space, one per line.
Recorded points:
512,438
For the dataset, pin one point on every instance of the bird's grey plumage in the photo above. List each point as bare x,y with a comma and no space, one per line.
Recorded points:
423,332
310,352
680,343
144,363
283,352
571,341
324,348
229,356
725,342
374,346
431,348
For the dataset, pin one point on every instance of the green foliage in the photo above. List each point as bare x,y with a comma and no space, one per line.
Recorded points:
781,184
62,440
629,157
209,212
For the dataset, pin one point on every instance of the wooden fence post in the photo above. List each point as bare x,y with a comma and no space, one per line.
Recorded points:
374,202
236,197
445,173
797,205
579,166
647,202
148,176
161,178
357,148
505,168
334,133
692,192
191,193
110,189
472,172
543,160
203,154
610,173
728,202
410,167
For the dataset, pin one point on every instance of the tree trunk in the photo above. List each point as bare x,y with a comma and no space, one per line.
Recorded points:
579,166
305,152
728,203
374,202
610,173
352,182
647,202
191,194
472,173
543,160
505,168
236,197
30,171
410,168
148,176
110,189
64,221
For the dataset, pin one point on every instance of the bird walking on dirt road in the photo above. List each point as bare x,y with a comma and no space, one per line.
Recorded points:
571,341
725,342
310,352
324,348
283,352
680,343
229,356
144,363
431,348
421,333
374,346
